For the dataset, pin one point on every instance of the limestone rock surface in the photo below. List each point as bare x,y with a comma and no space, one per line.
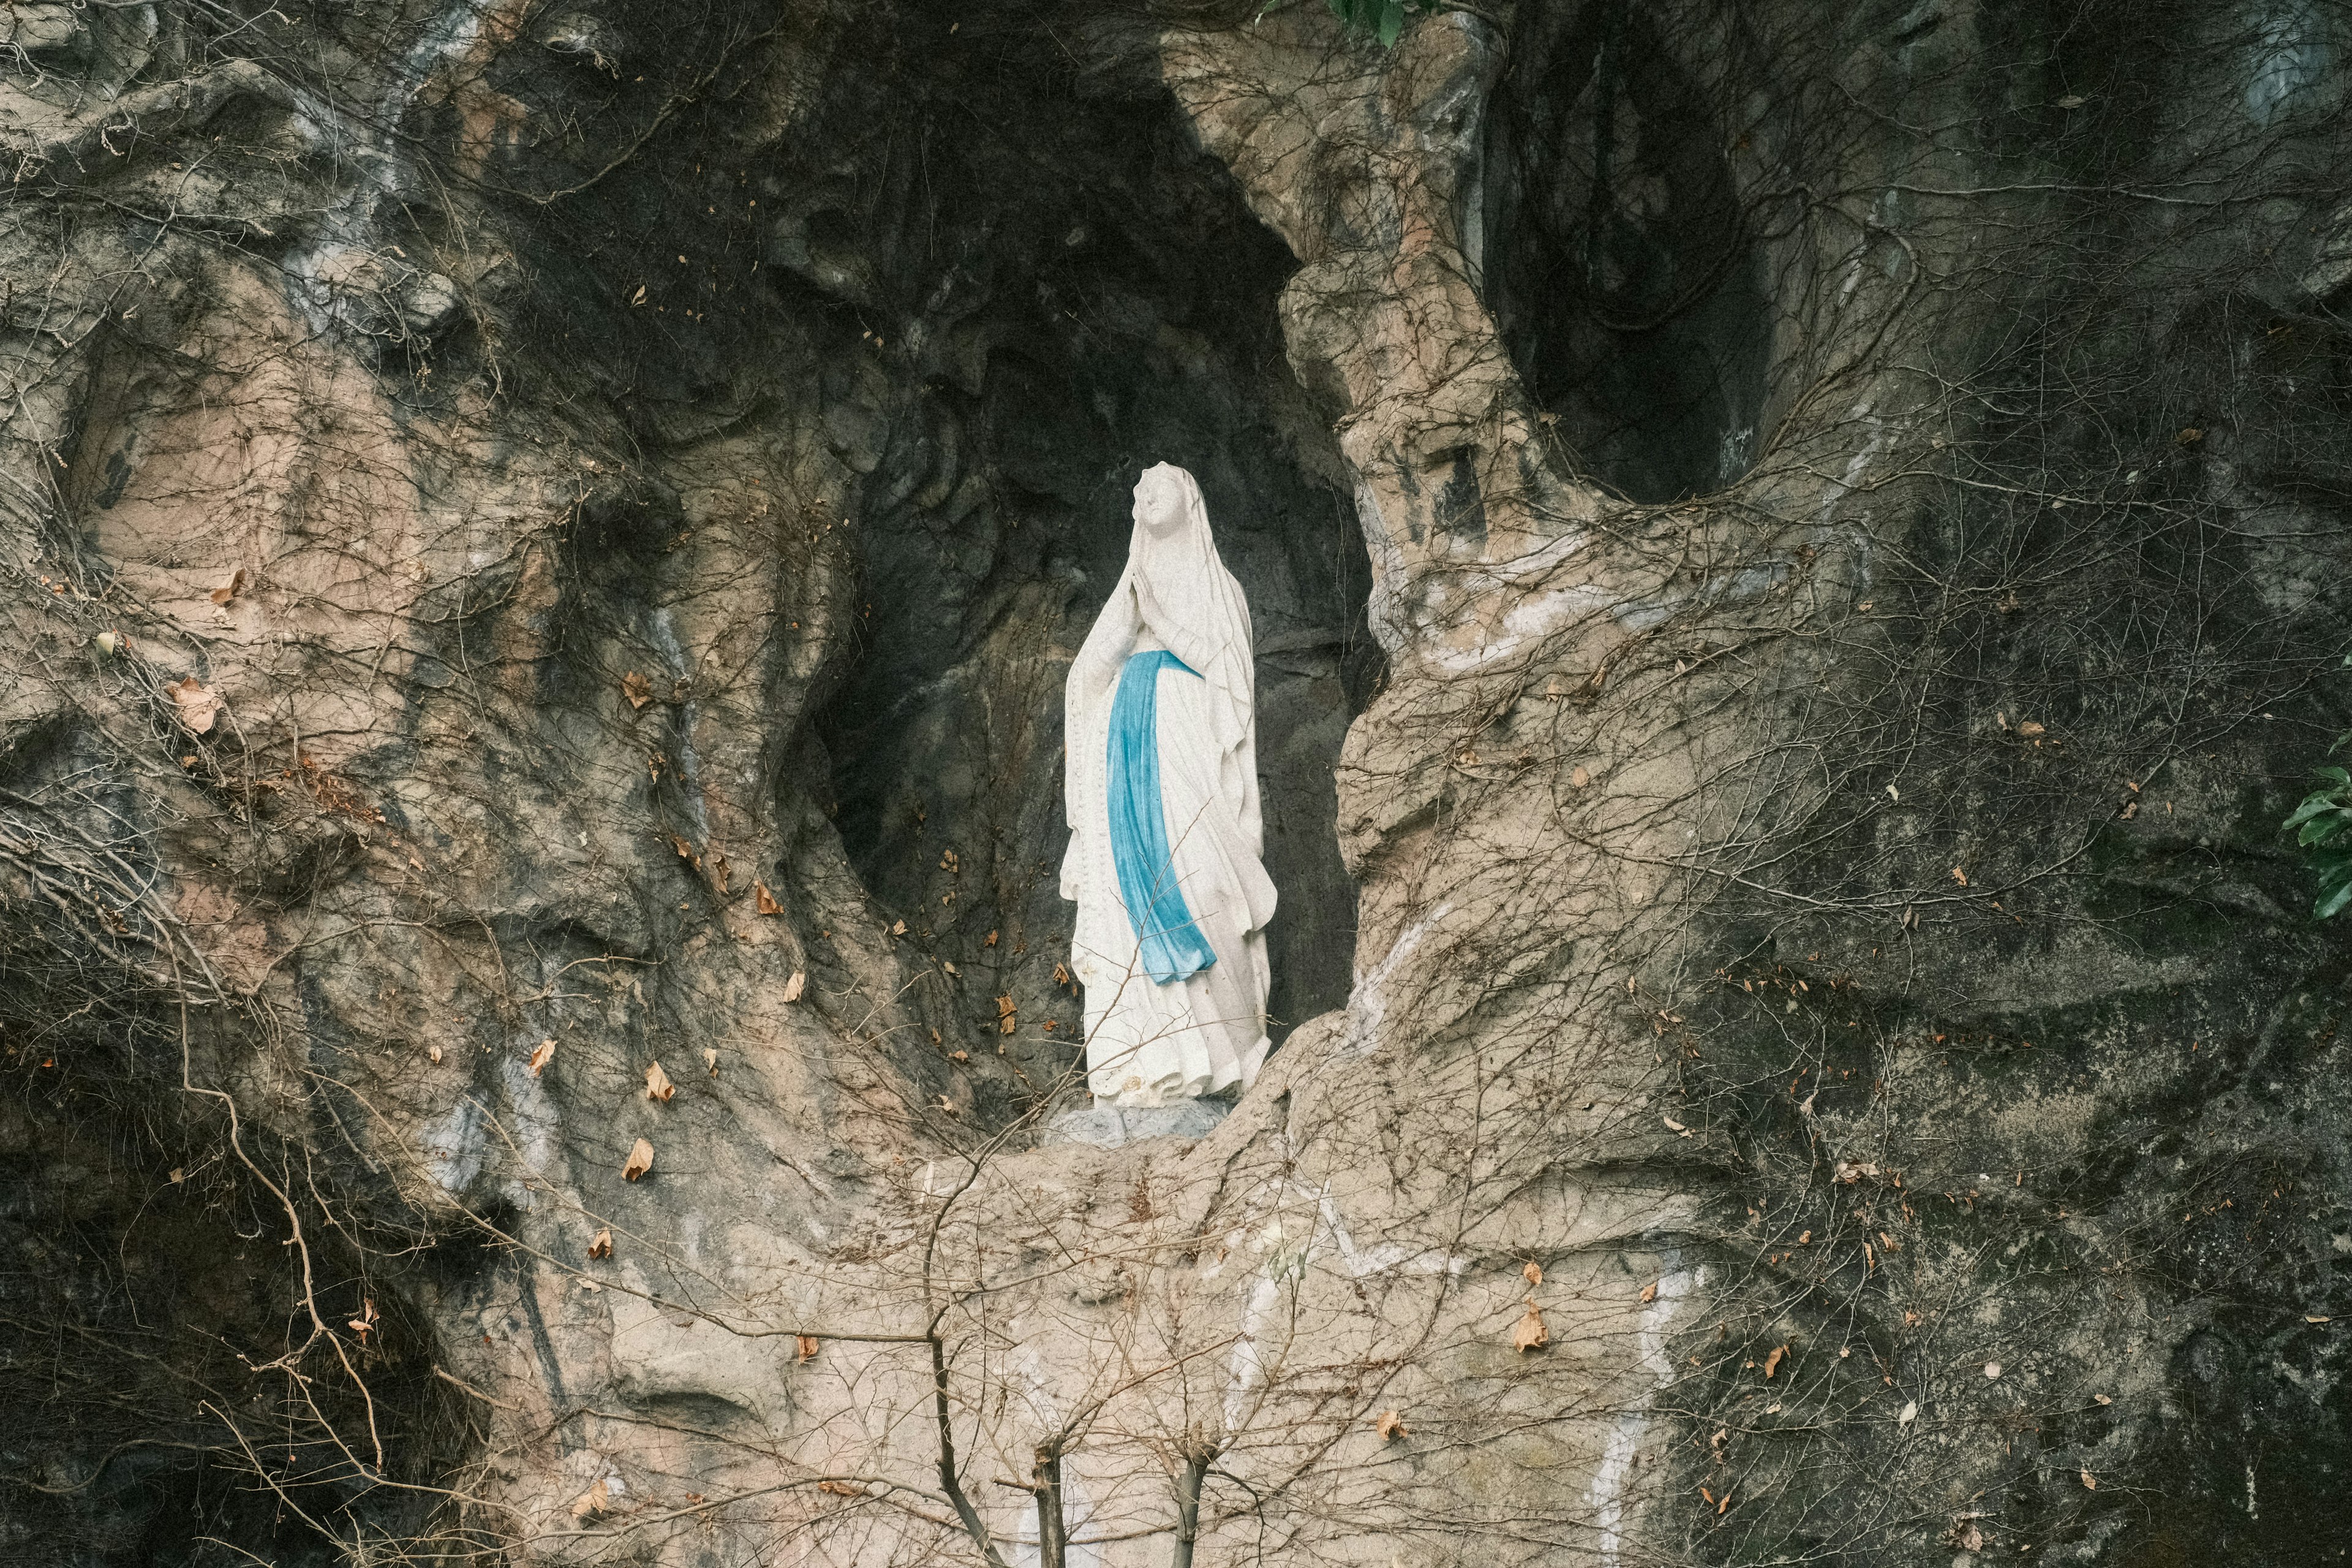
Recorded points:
1797,566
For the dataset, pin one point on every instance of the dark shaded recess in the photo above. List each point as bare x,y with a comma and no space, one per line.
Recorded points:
1618,263
126,1301
1109,302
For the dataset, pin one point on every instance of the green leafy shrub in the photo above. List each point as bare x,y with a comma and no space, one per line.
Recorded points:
2323,825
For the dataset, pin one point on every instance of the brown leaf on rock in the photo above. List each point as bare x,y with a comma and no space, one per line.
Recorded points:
1532,1272
596,1499
710,1060
766,900
841,1489
230,589
196,708
1530,1334
805,1344
1391,1426
641,1160
1061,975
601,1243
2031,729
1959,875
1579,777
1649,1293
1772,1362
988,941
658,1083
2090,1480
795,986
540,1055
636,688
1008,1016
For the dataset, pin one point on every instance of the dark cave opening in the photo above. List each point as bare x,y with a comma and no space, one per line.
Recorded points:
1619,268
1119,302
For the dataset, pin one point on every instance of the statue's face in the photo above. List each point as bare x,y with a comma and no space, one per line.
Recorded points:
1160,502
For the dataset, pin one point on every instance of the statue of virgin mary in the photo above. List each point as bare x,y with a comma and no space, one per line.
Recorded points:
1165,838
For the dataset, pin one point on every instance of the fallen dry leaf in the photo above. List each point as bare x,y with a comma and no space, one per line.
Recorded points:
364,1323
230,589
1008,1016
540,1055
710,1060
840,1489
601,1243
988,941
596,1499
2090,1480
1532,1273
1061,975
658,1083
1391,1426
1675,1127
433,1052
795,986
897,928
198,708
1530,1334
641,1160
766,900
1959,875
636,688
805,1344
1772,1362
1579,777
2031,729
1649,1293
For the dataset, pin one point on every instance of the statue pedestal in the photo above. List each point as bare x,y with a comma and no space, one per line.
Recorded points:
1111,1126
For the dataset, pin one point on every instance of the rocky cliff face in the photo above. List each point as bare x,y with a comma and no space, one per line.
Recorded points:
1795,573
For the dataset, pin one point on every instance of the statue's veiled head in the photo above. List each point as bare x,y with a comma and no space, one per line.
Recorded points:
1163,500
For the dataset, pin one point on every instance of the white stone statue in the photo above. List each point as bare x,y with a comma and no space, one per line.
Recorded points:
1160,728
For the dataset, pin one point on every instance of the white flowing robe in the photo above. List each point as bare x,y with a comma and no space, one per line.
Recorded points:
1149,1043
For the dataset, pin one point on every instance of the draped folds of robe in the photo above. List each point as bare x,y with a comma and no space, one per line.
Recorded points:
1202,1031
